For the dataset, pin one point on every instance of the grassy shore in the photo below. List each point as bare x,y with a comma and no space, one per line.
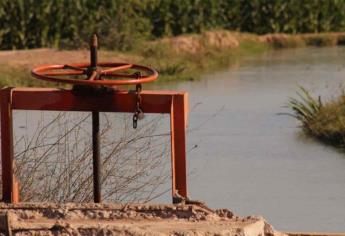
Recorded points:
323,120
176,58
185,57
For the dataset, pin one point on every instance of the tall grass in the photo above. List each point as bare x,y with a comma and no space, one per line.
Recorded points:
305,108
325,122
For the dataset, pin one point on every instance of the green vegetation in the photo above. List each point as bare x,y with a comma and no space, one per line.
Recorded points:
175,61
146,30
122,24
180,38
18,76
183,57
325,122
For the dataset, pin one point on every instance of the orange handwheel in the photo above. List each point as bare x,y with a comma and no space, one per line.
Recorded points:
107,74
96,74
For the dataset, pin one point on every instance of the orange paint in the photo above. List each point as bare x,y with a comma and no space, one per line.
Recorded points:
168,102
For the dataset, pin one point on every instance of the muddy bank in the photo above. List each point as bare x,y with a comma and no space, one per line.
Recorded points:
126,219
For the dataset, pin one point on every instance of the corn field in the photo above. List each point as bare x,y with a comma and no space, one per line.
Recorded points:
123,23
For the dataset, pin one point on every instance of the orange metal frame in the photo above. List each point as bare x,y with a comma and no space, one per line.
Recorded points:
170,102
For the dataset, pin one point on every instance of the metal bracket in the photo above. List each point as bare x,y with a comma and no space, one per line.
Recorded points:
168,102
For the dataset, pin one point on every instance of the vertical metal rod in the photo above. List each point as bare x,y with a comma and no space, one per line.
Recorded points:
96,158
93,52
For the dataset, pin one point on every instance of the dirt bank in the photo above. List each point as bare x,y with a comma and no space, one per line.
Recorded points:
303,40
34,57
133,219
185,57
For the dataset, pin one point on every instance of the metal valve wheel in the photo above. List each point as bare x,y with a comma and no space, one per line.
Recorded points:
108,76
96,74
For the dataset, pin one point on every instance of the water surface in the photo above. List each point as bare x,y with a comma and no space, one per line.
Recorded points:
256,162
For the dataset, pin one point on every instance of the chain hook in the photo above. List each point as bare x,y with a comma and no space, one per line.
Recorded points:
138,113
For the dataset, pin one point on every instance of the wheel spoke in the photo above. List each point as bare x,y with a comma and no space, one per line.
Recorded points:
132,76
93,76
117,68
74,68
62,73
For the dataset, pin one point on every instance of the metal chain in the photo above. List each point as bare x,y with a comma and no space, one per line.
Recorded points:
138,112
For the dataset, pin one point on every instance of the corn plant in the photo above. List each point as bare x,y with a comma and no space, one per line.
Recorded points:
123,23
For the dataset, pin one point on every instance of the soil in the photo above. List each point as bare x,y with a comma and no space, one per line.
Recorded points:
195,43
34,57
126,219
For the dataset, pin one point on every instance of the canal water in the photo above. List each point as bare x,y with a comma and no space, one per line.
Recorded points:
253,160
